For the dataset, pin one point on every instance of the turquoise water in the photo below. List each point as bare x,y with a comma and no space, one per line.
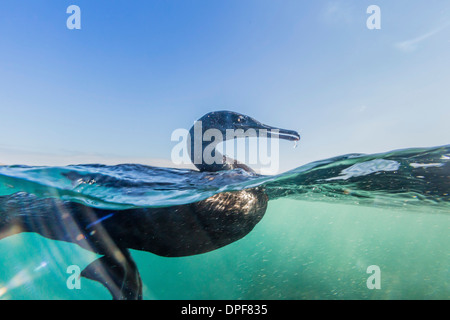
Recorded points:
325,224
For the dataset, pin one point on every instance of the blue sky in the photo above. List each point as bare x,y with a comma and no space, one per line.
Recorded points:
115,90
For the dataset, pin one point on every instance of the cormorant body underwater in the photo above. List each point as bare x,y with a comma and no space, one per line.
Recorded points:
174,231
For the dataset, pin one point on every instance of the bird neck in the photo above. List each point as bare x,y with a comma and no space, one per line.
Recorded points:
196,149
212,160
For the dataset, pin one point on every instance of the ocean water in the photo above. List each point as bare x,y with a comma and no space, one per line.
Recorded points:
325,224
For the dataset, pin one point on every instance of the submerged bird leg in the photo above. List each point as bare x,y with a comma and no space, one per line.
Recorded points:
118,273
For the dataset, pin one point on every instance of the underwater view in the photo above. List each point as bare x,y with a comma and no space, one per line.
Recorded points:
326,222
225,150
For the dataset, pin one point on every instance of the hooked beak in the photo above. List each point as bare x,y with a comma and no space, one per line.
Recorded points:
266,131
284,134
279,133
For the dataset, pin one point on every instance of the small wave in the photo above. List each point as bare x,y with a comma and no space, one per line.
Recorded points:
417,176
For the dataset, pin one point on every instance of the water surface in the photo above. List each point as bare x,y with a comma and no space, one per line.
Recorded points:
326,223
